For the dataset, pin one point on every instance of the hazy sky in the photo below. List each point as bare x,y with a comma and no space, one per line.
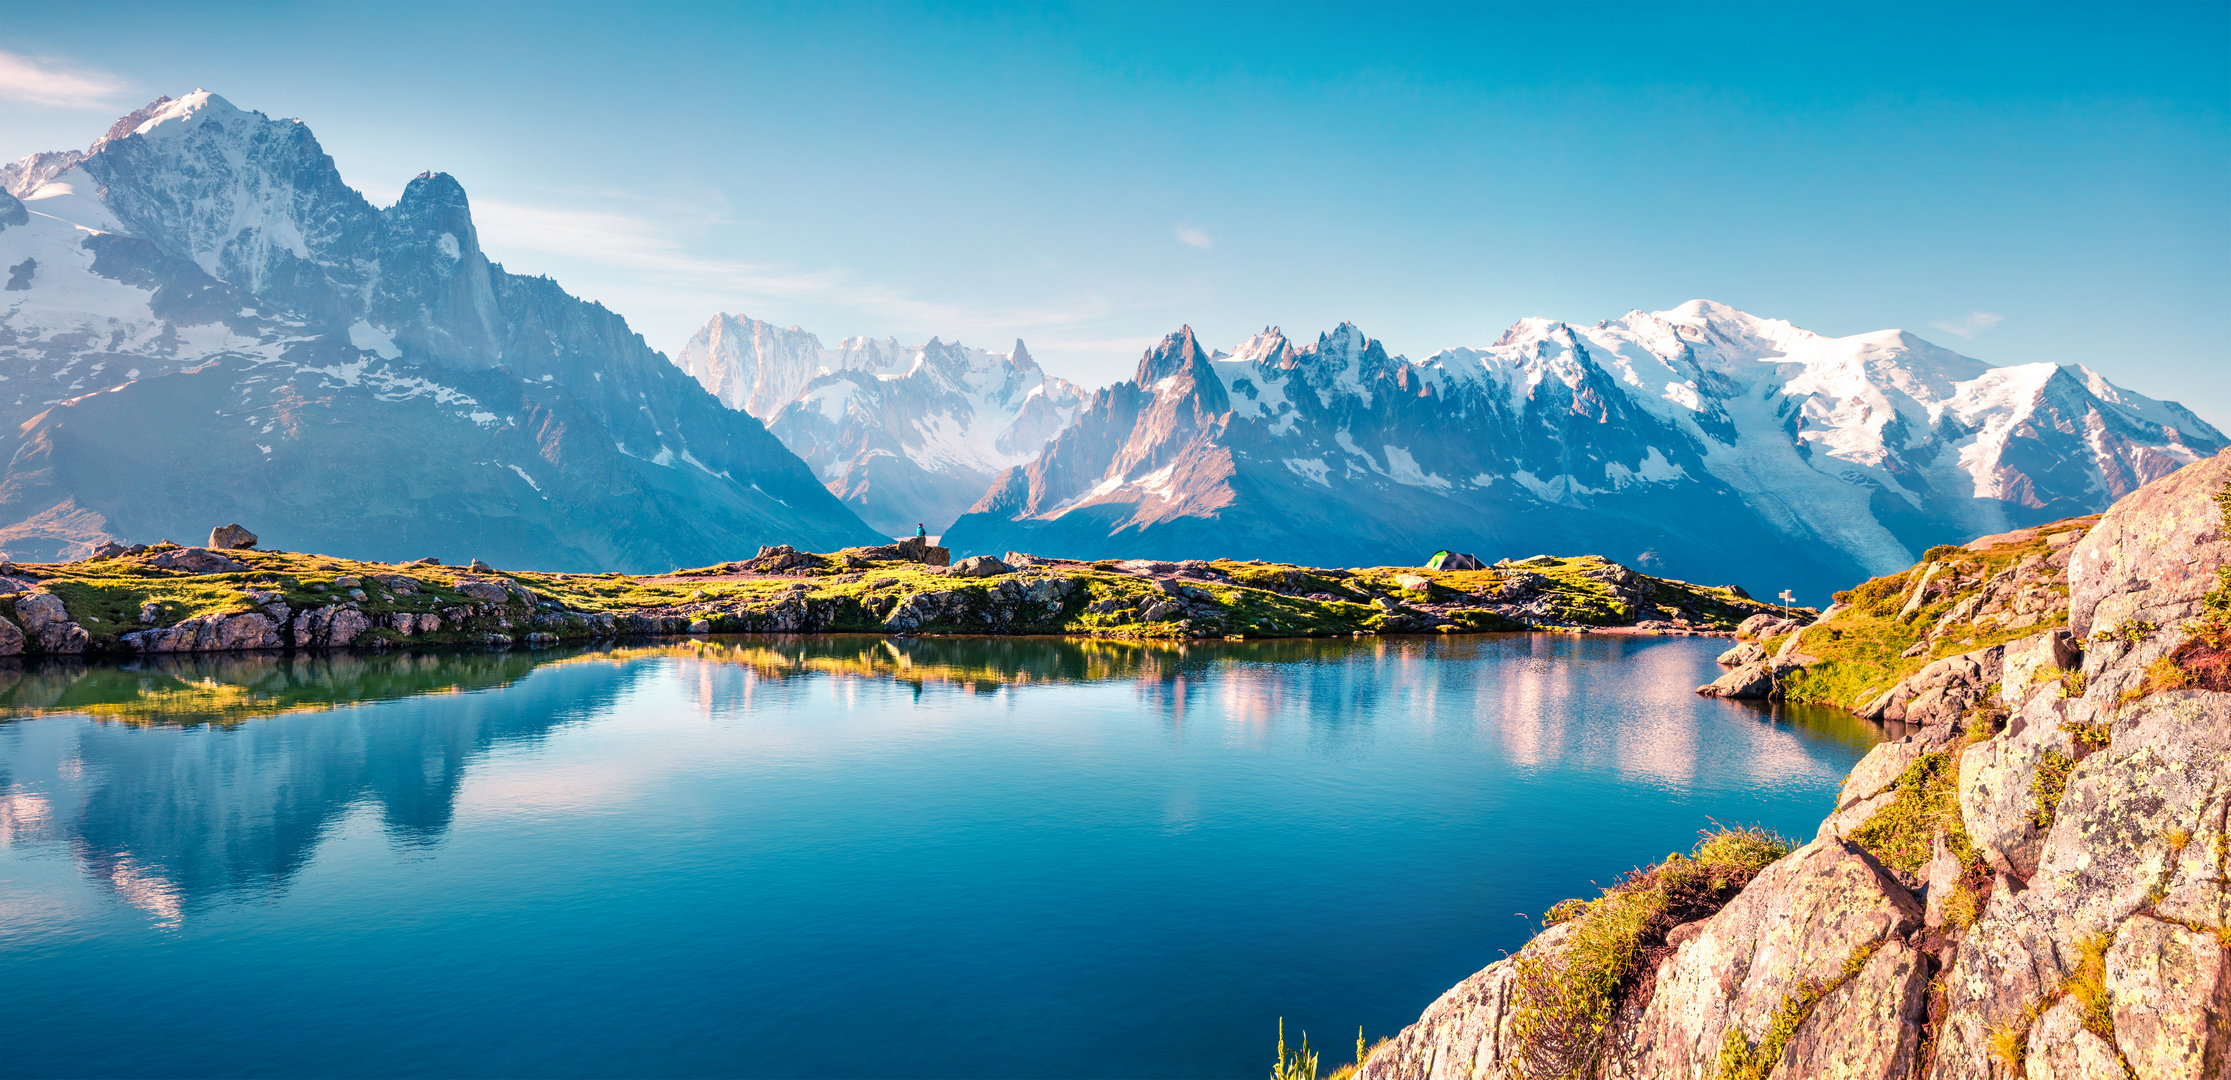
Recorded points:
2019,182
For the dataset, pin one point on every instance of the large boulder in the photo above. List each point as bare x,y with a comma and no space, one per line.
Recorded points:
46,621
231,537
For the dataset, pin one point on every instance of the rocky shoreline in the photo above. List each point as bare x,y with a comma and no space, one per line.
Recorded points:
2036,883
228,596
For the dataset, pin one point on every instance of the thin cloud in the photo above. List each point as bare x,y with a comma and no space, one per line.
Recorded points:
650,248
45,80
1970,325
1186,234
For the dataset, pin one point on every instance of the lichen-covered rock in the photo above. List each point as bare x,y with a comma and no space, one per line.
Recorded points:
2170,988
2153,555
2032,661
1744,653
1866,1029
2061,1048
1802,918
2103,805
1997,777
1942,692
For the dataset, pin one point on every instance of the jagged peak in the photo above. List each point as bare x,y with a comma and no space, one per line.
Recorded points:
130,122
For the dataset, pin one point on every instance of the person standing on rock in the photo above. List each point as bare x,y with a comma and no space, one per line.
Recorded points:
920,533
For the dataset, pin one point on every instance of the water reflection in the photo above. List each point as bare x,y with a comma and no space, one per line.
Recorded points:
269,754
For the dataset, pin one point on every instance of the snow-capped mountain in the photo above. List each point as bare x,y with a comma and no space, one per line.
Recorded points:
905,436
375,384
759,367
1700,442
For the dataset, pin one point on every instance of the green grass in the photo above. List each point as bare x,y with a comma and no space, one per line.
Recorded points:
1565,997
851,592
2048,786
1861,649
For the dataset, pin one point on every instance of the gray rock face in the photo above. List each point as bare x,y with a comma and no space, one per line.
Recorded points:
1941,693
980,566
47,622
330,627
1804,917
11,639
209,633
1753,681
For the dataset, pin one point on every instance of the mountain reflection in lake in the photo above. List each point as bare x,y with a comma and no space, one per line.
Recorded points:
840,856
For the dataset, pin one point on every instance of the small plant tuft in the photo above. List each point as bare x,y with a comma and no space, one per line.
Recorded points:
2048,787
1293,1065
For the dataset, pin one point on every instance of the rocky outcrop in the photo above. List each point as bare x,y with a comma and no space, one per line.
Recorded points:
46,621
2035,882
332,627
209,633
195,561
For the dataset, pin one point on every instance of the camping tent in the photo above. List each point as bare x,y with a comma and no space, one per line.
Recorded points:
1454,560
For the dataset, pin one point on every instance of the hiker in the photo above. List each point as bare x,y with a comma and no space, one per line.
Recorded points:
920,533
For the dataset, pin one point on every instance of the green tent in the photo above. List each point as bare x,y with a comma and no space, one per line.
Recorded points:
1454,560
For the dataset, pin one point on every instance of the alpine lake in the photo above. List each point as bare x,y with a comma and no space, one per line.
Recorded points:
843,856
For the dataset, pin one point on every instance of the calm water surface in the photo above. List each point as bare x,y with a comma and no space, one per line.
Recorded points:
832,857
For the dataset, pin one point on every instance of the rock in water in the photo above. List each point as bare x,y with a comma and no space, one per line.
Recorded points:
229,537
1751,681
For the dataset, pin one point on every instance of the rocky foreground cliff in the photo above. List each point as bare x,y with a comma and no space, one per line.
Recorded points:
2034,882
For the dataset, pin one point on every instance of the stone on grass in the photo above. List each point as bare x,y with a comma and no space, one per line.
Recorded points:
229,537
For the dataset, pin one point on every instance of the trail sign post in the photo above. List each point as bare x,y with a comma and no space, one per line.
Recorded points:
1788,600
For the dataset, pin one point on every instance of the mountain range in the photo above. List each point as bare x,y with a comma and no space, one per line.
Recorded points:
200,322
1702,442
906,437
203,323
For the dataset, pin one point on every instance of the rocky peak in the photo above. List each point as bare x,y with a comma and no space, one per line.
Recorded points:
1179,354
132,121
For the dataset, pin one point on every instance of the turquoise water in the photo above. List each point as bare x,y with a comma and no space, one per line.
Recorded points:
832,857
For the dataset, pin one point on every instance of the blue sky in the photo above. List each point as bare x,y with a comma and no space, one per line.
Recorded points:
2018,182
